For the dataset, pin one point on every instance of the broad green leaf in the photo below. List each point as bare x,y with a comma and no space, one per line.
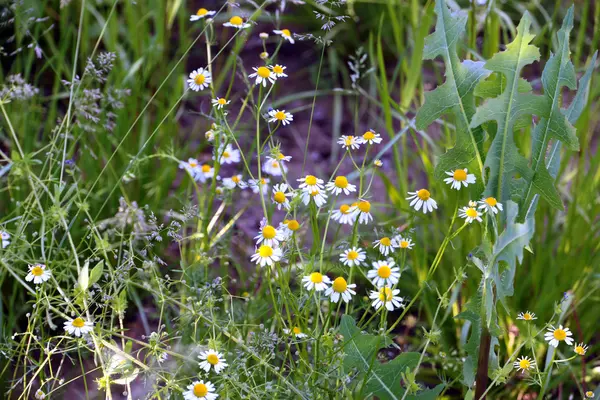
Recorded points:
96,273
455,96
503,159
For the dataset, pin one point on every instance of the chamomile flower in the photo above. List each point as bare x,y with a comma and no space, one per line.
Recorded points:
490,204
370,137
201,13
339,185
229,155
580,349
280,196
268,235
387,297
38,273
261,185
39,394
235,180
5,236
364,212
78,326
263,75
318,196
556,335
281,116
526,316
288,227
200,390
589,394
296,331
385,245
199,79
236,22
266,255
191,166
422,198
212,359
346,214
279,71
220,102
459,178
204,173
316,281
524,364
353,256
286,34
310,183
403,243
274,167
340,288
384,273
349,142
280,157
378,163
470,214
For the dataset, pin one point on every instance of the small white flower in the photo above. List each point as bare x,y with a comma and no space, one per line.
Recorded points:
262,75
339,185
378,163
526,316
556,335
280,196
228,155
220,102
263,35
269,235
288,227
5,236
422,198
470,214
353,256
286,34
349,142
316,281
204,173
346,214
580,349
281,116
364,210
524,364
340,288
214,359
402,242
38,273
384,273
39,394
310,183
200,390
370,137
386,296
490,204
235,180
459,178
201,13
385,245
274,167
296,331
318,196
199,79
266,255
236,22
261,185
280,157
279,71
78,326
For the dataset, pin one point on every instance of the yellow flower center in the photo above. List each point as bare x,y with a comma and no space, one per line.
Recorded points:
78,322
235,179
339,285
471,212
341,182
385,294
310,180
316,277
460,175
296,330
222,101
199,79
226,154
281,156
200,389
280,115
559,334
349,140
368,135
384,271
206,168
385,241
279,197
404,244
263,72
423,194
278,69
293,225
314,193
580,350
37,271
286,33
491,201
527,316
275,164
364,206
269,232
344,208
524,364
352,255
193,164
265,251
263,181
201,12
236,20
212,359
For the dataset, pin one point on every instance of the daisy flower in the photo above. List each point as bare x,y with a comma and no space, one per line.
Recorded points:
199,79
470,214
353,256
296,331
204,173
229,155
201,13
236,22
370,137
316,281
39,394
459,178
422,198
38,274
212,358
269,235
378,163
384,273
385,245
288,227
589,394
364,208
402,242
490,204
340,288
310,183
259,185
349,142
200,390
526,316
556,335
281,116
262,75
78,326
266,255
318,196
339,185
524,364
580,349
280,196
5,236
274,167
286,34
279,71
235,180
191,166
346,214
386,296
220,102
